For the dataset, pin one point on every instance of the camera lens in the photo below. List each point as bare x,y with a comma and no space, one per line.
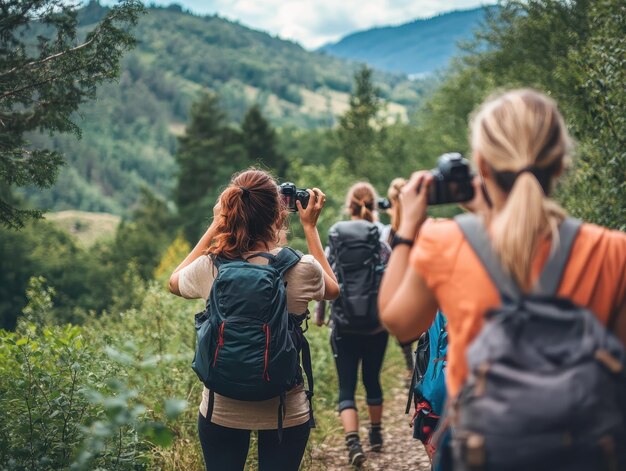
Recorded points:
452,180
384,204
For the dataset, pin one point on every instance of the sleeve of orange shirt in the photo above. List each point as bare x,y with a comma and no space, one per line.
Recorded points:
595,274
434,253
616,266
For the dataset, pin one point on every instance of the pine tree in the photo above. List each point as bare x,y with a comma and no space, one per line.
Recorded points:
47,70
361,129
259,139
208,154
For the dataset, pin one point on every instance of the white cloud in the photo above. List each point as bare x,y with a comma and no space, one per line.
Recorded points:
316,22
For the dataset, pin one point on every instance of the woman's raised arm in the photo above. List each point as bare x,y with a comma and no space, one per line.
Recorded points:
309,217
196,252
407,307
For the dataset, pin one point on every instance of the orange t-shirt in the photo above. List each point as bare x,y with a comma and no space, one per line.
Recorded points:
595,277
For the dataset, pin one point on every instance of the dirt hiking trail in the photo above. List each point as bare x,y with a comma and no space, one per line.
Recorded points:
400,451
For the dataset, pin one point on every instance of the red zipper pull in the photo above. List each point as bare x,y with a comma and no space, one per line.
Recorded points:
220,342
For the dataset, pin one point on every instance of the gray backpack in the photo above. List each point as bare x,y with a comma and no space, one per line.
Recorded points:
355,257
547,382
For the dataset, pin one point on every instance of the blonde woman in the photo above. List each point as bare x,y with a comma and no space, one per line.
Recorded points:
520,145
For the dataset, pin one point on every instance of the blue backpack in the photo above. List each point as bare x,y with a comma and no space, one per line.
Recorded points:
428,385
248,345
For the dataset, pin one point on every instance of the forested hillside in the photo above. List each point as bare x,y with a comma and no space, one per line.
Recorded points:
418,47
129,132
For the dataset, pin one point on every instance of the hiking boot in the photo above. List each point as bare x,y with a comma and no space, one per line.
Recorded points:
356,457
376,438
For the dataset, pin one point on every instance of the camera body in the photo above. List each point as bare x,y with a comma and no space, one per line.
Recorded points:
452,180
383,204
290,194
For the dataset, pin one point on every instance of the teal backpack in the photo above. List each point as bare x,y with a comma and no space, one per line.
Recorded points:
428,385
248,345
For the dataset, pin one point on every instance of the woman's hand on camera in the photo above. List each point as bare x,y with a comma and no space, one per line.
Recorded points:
414,200
310,214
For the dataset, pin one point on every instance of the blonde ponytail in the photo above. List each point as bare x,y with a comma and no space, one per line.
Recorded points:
523,222
522,137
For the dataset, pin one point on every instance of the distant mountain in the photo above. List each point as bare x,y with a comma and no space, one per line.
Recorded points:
414,48
129,132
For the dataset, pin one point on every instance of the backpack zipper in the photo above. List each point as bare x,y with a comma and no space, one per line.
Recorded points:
266,329
220,342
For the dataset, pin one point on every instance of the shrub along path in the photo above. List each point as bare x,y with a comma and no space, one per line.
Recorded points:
400,451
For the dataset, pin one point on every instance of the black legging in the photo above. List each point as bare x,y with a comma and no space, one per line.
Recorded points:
226,449
349,350
407,351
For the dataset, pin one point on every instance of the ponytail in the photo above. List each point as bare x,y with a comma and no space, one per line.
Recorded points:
526,218
365,212
360,201
523,139
251,212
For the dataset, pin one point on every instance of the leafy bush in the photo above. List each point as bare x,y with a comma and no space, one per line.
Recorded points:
72,397
41,396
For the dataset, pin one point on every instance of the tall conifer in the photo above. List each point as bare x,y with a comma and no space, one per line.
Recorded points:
260,141
208,154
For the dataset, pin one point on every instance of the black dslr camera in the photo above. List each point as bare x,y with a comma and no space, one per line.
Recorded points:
452,180
383,204
291,194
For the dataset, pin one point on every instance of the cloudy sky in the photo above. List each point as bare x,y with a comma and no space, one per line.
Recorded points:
315,22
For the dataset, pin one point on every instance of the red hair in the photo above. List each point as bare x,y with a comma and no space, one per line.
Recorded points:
252,212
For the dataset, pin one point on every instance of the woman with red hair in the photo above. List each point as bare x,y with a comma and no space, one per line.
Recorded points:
248,219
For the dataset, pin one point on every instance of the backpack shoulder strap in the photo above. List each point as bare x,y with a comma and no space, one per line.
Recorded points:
550,278
475,234
286,259
218,261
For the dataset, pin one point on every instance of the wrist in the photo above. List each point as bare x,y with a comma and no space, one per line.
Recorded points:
309,228
409,230
397,240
